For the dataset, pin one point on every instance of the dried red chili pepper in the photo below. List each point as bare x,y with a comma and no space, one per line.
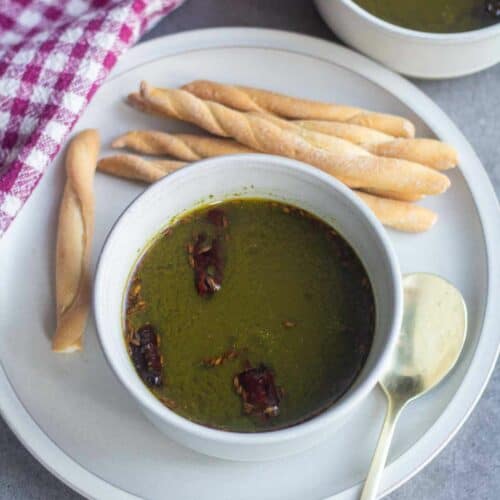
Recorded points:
208,264
145,354
260,395
217,217
205,255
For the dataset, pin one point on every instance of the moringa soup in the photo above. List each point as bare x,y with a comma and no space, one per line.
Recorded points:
249,315
436,16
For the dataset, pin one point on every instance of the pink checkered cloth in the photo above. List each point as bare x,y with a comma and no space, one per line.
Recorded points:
54,55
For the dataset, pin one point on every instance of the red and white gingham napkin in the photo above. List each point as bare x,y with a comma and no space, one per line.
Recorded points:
54,55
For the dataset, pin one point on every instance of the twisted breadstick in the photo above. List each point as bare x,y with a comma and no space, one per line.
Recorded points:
136,101
260,134
252,99
400,215
186,147
336,146
74,242
181,146
430,152
136,168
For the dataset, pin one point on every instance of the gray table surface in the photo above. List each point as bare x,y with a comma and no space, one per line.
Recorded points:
469,467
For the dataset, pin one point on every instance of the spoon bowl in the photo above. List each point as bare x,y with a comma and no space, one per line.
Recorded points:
431,338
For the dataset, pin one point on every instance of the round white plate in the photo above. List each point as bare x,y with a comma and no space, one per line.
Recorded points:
74,416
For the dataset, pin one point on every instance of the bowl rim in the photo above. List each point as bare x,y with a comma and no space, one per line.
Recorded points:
463,36
341,407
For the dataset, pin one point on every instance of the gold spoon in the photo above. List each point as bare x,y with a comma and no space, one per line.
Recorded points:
431,339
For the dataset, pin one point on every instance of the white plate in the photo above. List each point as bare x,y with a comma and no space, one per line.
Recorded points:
75,417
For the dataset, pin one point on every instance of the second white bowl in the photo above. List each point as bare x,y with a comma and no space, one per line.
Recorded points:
413,53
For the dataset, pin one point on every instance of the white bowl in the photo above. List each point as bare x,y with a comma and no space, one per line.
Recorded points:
248,176
413,53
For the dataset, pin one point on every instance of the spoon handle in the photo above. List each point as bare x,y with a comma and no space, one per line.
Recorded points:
379,458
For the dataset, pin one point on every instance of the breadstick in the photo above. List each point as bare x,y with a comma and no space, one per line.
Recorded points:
136,168
181,146
262,135
74,242
430,152
337,146
400,214
252,99
186,147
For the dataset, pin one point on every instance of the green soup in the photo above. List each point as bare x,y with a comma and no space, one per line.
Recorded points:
249,316
436,16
